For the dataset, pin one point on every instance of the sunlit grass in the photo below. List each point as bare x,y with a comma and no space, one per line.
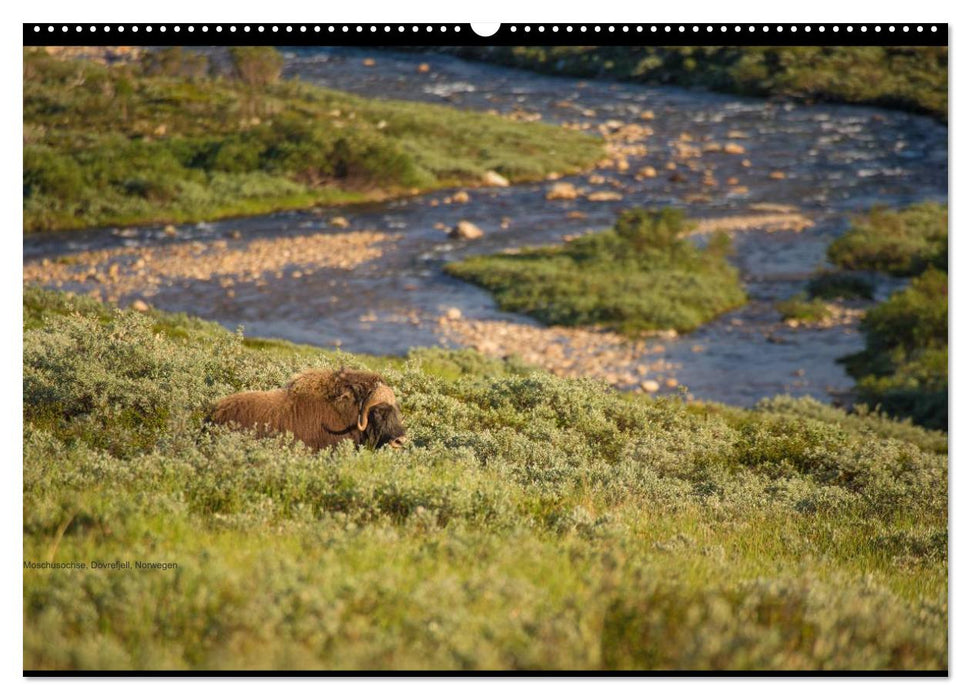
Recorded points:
533,523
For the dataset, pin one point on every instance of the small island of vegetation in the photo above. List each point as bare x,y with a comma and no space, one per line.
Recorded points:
640,276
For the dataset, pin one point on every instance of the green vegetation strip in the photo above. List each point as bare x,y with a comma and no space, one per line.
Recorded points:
641,275
903,369
533,523
171,140
911,78
902,243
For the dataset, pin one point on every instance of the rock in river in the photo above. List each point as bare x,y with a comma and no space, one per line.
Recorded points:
465,230
494,179
605,196
562,190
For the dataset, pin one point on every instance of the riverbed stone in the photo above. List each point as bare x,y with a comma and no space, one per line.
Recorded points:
494,179
562,190
465,230
605,196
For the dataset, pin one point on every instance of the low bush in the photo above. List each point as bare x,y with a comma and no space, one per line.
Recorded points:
903,369
902,243
800,308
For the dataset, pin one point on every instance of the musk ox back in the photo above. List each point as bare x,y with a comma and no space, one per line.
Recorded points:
320,408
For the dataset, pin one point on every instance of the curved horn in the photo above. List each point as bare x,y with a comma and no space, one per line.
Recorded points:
381,394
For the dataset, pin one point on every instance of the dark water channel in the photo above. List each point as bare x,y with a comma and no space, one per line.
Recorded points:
837,161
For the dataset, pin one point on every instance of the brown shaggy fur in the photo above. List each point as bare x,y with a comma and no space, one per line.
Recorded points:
319,407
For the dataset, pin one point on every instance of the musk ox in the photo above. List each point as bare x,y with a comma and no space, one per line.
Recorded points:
320,408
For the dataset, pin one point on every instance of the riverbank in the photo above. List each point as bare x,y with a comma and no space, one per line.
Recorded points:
162,140
909,78
112,273
532,522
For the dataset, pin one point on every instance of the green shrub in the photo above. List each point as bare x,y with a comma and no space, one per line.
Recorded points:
639,276
903,243
256,66
903,369
799,308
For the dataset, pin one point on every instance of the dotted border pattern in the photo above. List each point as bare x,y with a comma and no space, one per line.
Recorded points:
460,34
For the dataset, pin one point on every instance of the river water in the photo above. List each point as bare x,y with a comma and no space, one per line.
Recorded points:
837,161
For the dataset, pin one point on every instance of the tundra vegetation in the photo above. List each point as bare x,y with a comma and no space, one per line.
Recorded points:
173,139
903,369
641,275
912,78
533,522
901,243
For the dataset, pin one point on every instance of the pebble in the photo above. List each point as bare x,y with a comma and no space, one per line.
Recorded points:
340,222
140,306
605,196
647,171
461,197
735,149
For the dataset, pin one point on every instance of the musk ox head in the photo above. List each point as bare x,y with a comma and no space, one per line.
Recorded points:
364,404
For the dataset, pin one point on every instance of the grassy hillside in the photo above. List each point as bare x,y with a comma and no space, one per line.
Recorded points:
638,276
164,140
912,78
534,522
